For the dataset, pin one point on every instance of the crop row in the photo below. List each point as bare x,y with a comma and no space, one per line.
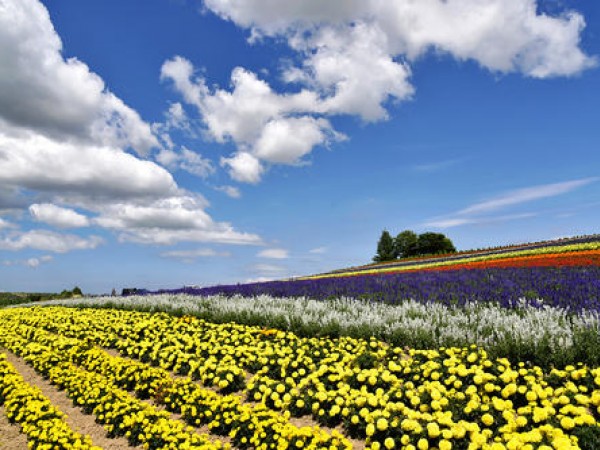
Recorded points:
393,398
116,409
42,423
525,331
590,247
226,415
470,253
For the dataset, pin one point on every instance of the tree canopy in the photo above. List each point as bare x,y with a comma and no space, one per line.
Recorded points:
385,248
408,243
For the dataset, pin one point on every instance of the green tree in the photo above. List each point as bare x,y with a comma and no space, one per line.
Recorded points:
76,291
405,244
434,243
385,248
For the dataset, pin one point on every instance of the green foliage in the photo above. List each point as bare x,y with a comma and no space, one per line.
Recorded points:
434,243
385,248
406,244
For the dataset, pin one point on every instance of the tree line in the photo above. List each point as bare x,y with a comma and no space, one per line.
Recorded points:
408,244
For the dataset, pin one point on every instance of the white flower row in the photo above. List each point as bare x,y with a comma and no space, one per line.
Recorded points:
487,325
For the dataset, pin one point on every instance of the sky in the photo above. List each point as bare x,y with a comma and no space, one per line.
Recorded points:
192,142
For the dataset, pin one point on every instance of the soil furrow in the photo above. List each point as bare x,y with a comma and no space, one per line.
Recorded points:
11,437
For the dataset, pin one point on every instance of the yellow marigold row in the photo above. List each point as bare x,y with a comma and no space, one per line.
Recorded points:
224,415
40,421
392,397
121,414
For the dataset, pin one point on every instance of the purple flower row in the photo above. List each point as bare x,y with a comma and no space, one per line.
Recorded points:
575,288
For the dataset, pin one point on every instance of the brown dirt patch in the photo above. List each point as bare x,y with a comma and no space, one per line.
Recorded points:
10,434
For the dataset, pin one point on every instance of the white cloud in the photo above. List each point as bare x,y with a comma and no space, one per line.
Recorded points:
31,262
286,141
168,221
525,195
244,167
230,191
189,256
268,270
459,221
35,262
5,224
57,216
353,57
186,160
64,140
273,253
48,241
62,99
501,35
479,212
318,250
35,162
264,125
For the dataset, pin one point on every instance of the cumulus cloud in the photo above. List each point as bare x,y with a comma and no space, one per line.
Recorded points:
353,57
64,140
501,35
35,162
48,241
230,191
244,167
186,160
62,99
57,216
273,253
264,125
168,221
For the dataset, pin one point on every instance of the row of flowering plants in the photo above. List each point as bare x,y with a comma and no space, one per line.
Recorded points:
121,414
43,423
246,425
542,246
388,396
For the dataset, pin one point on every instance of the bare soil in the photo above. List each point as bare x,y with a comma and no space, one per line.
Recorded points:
10,434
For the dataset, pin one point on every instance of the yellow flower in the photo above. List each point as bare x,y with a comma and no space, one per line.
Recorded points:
567,423
382,424
445,445
487,419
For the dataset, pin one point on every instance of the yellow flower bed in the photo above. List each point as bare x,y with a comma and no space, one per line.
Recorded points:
390,397
40,421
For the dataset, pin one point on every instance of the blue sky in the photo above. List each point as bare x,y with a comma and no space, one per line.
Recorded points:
204,142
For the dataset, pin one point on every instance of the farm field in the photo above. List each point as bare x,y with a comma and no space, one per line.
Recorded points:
500,351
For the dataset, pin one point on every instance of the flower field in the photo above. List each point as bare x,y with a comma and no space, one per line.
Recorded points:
491,350
156,378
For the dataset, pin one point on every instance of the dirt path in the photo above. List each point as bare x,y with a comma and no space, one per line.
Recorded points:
82,423
10,434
